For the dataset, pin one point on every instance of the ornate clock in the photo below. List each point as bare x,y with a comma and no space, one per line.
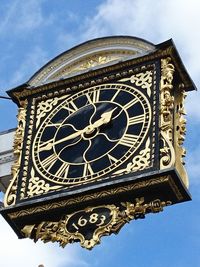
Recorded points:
99,142
89,134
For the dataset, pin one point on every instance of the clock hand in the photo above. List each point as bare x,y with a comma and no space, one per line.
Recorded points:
71,136
105,118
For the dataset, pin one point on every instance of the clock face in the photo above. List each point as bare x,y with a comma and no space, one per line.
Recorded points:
91,133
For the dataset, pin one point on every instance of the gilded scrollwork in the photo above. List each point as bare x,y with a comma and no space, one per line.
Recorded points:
167,153
143,80
103,224
181,122
38,186
10,196
139,162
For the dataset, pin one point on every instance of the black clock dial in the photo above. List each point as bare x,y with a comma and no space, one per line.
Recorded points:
91,133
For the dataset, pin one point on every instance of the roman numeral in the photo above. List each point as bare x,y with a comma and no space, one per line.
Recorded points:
71,107
112,159
49,161
87,170
131,103
63,170
128,140
136,119
115,95
93,97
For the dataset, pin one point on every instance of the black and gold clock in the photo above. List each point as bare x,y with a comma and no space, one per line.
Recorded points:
89,134
98,142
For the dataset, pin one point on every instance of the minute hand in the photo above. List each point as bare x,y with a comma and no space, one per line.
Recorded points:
71,136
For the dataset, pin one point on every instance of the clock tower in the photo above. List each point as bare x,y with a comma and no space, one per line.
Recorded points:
99,141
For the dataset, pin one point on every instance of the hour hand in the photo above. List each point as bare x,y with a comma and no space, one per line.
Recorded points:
105,118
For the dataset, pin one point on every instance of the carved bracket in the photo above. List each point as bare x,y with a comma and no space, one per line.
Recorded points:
167,153
10,196
179,134
89,225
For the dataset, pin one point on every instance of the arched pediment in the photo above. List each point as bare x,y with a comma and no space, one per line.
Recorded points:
91,55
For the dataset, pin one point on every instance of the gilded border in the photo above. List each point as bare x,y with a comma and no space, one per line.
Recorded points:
44,98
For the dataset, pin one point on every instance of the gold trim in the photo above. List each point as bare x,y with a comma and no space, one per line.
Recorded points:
27,143
10,196
90,197
120,215
175,189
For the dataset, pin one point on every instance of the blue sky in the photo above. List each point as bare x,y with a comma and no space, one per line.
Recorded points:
34,31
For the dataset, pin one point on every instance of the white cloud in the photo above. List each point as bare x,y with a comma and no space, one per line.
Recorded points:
24,252
193,165
23,16
34,60
155,22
